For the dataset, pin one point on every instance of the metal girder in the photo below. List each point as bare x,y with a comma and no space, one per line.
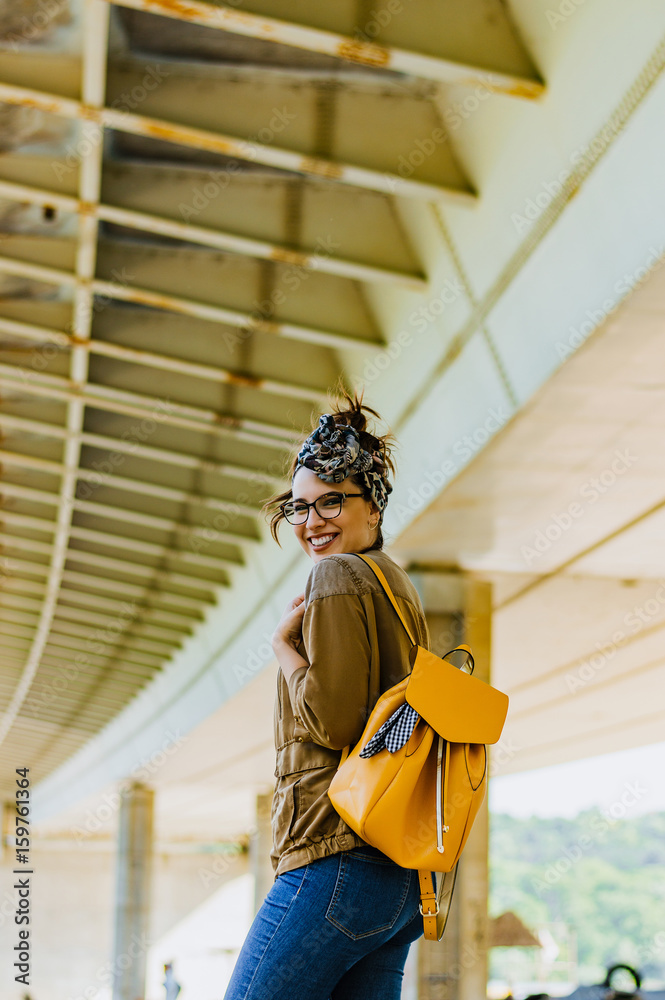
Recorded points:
151,616
168,599
59,644
176,304
114,444
128,569
21,609
171,599
43,496
130,655
145,488
319,260
346,47
228,145
70,620
136,405
120,670
96,19
43,334
124,542
67,630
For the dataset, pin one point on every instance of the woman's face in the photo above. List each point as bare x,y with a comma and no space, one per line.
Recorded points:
348,532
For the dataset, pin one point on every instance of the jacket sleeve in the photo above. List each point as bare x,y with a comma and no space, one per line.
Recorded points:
330,696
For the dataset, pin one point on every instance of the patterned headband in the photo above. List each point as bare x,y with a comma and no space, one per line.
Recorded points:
333,452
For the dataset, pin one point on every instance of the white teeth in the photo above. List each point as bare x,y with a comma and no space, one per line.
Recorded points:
322,540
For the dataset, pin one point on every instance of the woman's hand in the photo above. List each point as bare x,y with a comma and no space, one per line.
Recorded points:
289,628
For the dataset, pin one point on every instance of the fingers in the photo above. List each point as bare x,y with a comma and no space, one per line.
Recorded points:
295,604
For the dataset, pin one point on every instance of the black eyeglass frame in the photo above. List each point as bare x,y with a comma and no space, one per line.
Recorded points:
324,496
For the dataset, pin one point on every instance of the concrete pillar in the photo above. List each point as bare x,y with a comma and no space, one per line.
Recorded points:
458,609
133,885
7,849
260,846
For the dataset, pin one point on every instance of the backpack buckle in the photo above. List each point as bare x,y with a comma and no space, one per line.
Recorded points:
422,912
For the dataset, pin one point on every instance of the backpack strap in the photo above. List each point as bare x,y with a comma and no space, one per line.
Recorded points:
379,574
429,906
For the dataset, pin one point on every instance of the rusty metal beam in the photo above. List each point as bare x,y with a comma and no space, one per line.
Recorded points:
135,405
120,513
129,568
203,236
93,83
109,562
226,145
123,542
129,485
187,307
115,444
43,334
242,22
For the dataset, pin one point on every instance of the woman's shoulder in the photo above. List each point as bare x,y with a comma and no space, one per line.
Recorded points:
346,573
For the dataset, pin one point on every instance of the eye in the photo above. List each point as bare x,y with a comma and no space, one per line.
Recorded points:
331,501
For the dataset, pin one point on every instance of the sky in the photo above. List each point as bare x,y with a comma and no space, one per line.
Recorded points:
623,784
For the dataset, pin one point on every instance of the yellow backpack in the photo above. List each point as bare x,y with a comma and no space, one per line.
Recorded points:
417,803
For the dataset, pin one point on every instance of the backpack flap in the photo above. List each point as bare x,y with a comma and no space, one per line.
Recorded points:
458,706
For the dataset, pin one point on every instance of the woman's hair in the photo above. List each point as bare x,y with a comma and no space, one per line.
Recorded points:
346,409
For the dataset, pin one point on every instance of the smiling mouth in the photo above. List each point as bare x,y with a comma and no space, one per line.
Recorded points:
321,541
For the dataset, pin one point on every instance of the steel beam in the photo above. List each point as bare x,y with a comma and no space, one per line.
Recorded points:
215,239
346,47
385,182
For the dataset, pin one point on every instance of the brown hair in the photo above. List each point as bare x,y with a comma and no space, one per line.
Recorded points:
346,409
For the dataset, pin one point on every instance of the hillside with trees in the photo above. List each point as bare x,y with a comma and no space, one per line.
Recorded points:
603,877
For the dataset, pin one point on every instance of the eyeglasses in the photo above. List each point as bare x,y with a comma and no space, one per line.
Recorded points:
327,505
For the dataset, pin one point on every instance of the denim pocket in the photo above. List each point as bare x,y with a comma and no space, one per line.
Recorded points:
369,895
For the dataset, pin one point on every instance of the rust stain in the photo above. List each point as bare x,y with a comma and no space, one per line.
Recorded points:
363,52
528,90
90,113
172,133
52,107
266,326
206,13
522,88
225,420
248,381
323,168
288,256
249,20
183,10
87,207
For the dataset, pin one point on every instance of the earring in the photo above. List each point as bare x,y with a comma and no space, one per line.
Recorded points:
372,526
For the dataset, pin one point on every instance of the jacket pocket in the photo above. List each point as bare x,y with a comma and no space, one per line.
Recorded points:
302,754
369,895
295,807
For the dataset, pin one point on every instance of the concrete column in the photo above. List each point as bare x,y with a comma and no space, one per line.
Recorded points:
133,885
474,874
8,829
458,609
260,847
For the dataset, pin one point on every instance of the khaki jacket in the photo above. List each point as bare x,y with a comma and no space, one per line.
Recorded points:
356,648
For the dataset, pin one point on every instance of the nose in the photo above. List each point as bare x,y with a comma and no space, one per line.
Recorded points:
317,517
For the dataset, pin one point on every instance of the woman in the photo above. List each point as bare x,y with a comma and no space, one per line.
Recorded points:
340,917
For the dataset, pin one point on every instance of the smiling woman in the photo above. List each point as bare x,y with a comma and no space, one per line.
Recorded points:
338,922
340,456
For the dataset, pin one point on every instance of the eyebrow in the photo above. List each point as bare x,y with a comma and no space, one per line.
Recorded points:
326,494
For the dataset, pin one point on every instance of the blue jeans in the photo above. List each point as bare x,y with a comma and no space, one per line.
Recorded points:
336,929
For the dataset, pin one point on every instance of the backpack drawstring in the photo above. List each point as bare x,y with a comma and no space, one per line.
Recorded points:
441,793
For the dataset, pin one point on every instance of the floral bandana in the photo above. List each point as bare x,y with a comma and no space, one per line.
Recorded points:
333,452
